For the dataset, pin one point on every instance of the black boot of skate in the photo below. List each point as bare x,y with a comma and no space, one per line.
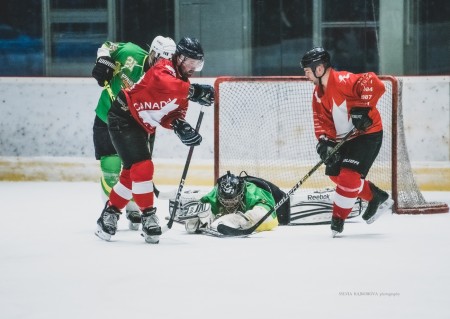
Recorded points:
337,226
107,222
150,226
380,203
134,219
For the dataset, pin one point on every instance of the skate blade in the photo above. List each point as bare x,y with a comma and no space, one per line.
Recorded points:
384,207
133,226
334,233
102,235
151,239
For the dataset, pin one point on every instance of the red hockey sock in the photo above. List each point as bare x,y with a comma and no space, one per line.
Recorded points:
366,192
347,189
121,193
142,185
334,179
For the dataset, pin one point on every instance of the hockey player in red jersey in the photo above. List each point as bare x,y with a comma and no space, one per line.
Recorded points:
341,101
121,64
159,99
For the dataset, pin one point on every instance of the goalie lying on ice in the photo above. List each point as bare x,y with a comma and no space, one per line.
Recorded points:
234,202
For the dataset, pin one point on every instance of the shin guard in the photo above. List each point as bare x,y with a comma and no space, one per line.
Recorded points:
121,192
347,190
110,166
142,184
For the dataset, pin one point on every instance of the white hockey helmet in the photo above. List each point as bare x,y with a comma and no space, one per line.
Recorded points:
163,47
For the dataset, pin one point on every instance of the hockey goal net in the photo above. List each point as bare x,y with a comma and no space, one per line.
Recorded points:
264,126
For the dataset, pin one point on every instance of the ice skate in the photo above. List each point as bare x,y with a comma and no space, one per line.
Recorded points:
337,226
134,219
380,203
150,226
107,222
133,215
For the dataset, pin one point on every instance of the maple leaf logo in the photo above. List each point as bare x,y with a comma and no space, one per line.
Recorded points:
342,78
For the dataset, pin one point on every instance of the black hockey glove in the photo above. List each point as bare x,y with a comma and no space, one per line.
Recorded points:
360,118
324,148
103,70
187,134
203,94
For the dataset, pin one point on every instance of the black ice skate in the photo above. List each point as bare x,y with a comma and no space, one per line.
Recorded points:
134,219
107,223
150,226
380,203
337,226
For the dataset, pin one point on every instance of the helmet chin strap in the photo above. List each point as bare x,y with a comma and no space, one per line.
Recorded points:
320,91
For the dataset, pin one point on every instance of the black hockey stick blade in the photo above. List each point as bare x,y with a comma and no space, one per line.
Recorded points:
230,231
155,190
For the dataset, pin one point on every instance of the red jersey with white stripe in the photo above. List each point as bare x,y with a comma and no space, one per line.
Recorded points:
344,91
159,97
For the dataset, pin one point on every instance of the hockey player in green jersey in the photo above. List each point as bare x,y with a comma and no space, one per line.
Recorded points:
236,203
118,66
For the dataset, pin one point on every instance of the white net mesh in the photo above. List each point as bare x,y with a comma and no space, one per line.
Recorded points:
264,126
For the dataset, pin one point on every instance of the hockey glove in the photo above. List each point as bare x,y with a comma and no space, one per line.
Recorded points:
324,148
103,70
202,220
203,94
360,118
186,133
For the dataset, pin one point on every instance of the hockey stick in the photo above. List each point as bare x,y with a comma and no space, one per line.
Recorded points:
230,231
156,191
183,178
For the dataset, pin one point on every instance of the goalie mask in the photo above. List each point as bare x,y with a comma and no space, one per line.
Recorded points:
230,192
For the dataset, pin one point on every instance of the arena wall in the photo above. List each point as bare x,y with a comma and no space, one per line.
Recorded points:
46,132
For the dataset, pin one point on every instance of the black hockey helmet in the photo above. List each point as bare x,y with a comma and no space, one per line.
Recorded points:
230,190
314,57
190,48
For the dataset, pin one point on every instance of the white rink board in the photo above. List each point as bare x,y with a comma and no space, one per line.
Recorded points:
54,117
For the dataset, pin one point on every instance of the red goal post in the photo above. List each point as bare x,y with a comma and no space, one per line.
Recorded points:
264,126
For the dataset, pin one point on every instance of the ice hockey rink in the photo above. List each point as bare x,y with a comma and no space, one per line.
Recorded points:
53,266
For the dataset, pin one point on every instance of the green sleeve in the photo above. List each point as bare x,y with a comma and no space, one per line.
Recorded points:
130,60
254,196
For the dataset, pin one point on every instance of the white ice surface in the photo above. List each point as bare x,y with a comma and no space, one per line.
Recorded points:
53,267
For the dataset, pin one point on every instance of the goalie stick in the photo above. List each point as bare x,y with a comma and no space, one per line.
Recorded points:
230,231
183,178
